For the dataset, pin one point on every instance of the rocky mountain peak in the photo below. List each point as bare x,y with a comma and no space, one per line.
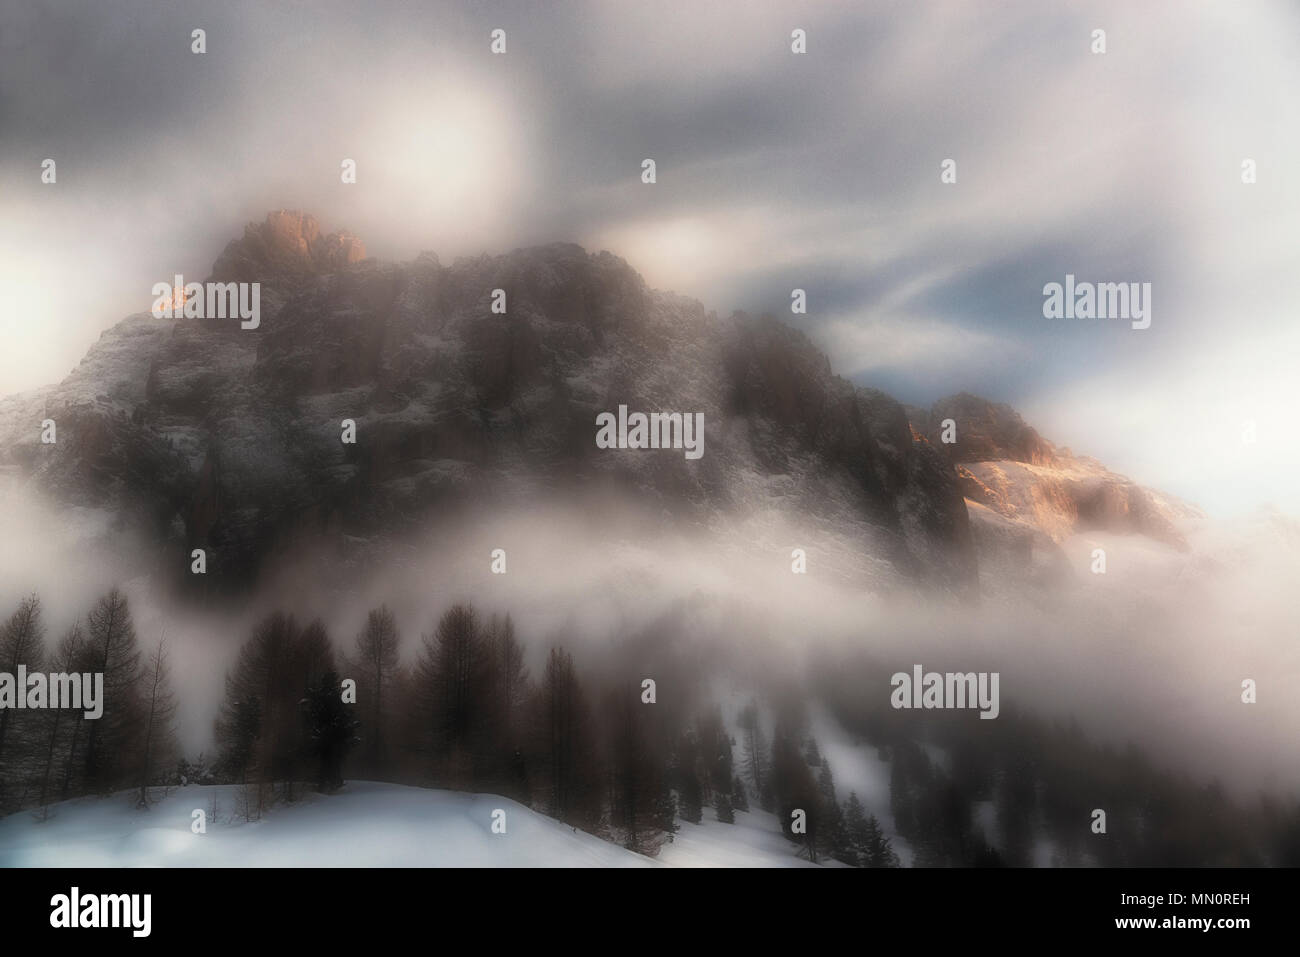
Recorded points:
1027,496
288,246
988,432
203,434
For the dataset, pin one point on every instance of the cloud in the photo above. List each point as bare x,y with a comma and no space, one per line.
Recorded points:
775,171
862,345
1220,436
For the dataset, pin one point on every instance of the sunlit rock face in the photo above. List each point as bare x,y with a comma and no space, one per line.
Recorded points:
199,433
1026,497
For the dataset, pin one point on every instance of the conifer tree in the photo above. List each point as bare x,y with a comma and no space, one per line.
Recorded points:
66,656
690,792
454,675
260,728
573,778
159,741
794,789
831,833
635,769
755,749
665,813
377,663
738,797
855,828
331,729
112,650
21,643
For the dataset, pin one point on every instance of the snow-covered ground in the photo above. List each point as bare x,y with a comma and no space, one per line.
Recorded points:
755,840
858,768
366,824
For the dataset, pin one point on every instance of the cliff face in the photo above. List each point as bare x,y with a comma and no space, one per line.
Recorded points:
287,247
201,434
1026,497
988,432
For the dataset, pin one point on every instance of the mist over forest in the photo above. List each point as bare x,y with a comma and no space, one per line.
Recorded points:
732,639
730,434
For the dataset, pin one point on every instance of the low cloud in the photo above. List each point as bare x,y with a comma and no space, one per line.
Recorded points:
776,171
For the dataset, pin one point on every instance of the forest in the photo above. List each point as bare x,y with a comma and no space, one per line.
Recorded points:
606,750
603,754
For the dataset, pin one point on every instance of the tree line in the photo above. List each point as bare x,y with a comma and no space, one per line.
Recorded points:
50,755
597,752
1021,791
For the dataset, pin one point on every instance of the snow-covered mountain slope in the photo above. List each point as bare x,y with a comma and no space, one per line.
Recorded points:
366,824
198,433
754,840
201,434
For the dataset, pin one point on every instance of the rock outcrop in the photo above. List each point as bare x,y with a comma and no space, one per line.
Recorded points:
198,433
1026,496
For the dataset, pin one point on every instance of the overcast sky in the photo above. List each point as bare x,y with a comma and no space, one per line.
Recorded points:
775,171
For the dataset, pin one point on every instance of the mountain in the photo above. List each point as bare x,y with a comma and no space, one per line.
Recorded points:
1025,496
200,433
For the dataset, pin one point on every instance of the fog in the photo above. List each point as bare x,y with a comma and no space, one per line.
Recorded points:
775,171
1153,652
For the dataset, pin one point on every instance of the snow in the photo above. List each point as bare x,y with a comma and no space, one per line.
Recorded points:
984,815
755,840
857,768
366,824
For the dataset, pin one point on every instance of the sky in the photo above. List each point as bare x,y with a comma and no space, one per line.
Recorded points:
775,171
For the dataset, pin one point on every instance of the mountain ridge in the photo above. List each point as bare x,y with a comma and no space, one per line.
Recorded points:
203,434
